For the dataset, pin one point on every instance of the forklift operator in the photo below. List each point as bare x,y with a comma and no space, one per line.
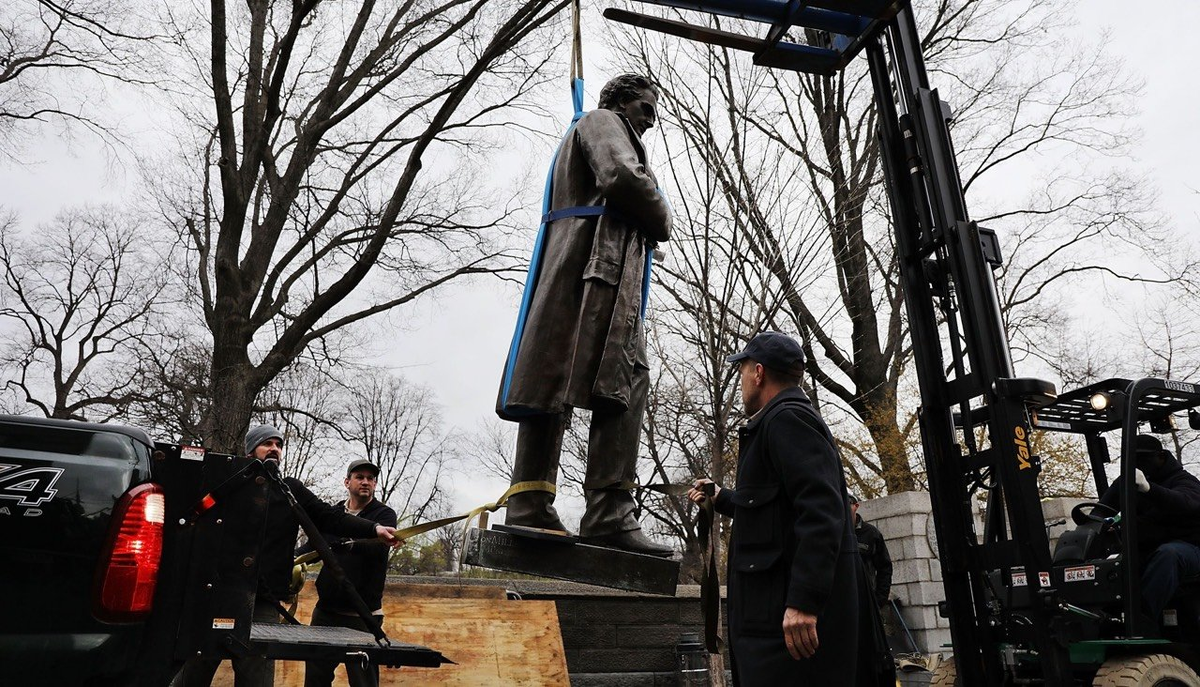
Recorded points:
1168,522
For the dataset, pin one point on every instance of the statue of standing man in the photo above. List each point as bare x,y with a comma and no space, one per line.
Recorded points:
581,343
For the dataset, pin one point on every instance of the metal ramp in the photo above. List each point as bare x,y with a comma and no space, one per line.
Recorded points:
304,642
837,30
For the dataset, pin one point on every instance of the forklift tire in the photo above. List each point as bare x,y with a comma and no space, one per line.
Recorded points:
1155,670
945,674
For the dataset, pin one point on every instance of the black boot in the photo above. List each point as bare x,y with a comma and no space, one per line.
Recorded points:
539,441
609,522
634,541
533,509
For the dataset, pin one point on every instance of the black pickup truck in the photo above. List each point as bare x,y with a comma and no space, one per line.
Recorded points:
81,534
120,558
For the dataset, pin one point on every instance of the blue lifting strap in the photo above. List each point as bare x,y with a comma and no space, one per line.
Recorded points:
577,211
535,262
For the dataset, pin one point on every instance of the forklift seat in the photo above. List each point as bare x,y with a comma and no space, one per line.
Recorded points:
1077,545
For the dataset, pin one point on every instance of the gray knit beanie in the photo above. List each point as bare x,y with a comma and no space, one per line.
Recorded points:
259,434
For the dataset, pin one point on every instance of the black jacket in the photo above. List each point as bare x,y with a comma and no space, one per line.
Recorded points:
876,560
279,542
1170,511
792,544
365,566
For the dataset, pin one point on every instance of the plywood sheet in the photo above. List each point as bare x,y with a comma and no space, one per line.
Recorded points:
493,641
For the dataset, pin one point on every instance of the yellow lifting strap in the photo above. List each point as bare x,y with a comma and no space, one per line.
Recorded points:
422,528
518,488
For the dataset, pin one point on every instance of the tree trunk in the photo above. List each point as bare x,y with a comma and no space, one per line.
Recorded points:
234,387
879,415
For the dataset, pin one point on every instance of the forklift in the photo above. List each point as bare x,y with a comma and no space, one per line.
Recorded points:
1017,614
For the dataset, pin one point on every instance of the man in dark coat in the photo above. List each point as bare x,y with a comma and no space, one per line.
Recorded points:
265,443
1168,522
793,559
365,565
875,557
874,591
580,344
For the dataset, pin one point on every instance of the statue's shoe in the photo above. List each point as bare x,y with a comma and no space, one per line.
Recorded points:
633,541
533,509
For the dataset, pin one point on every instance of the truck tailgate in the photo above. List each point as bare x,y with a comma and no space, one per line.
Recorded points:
58,488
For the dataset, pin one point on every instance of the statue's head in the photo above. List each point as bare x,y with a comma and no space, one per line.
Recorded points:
633,96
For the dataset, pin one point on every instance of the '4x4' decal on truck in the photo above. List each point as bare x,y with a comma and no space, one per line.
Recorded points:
29,486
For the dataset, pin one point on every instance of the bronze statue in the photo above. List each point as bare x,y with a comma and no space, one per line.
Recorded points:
581,343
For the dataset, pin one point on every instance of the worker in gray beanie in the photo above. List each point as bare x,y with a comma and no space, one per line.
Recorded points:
261,433
265,443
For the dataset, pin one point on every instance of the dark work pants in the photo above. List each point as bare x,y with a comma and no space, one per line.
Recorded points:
613,442
1166,568
248,671
320,673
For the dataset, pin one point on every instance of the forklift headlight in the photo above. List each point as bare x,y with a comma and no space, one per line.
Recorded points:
1099,401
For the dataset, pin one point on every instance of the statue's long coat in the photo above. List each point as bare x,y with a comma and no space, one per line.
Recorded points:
583,333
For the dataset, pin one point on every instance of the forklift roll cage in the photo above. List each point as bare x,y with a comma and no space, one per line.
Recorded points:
946,262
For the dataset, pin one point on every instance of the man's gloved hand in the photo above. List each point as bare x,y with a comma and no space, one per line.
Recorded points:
696,493
1143,485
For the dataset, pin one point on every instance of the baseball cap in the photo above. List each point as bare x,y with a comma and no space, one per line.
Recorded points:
774,350
360,463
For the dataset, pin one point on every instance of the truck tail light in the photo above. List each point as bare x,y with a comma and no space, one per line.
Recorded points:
128,566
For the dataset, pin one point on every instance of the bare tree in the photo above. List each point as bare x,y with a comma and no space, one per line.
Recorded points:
708,304
399,427
173,381
82,297
333,184
306,402
54,56
1168,346
490,448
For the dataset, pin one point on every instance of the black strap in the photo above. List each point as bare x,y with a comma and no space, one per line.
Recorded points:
710,581
267,596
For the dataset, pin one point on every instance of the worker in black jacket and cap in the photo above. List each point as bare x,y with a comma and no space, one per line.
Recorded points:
875,557
365,564
793,559
1168,522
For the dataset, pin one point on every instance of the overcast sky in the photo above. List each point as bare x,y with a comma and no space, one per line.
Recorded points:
456,343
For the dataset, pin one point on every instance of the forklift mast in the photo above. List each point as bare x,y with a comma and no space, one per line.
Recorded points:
960,345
